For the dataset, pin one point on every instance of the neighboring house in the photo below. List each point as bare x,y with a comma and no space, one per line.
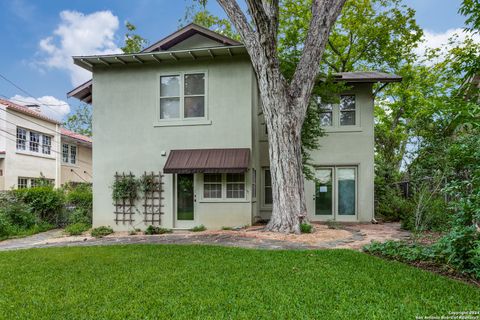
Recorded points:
188,106
33,146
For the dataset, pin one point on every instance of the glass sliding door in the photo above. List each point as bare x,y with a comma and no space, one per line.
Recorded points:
324,192
346,189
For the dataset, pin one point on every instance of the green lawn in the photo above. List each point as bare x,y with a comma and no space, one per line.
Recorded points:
202,282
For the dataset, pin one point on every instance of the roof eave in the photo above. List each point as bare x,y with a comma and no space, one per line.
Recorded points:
89,62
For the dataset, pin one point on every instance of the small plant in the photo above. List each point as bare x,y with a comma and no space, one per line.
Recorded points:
198,228
227,228
77,228
132,232
101,232
306,227
125,187
157,230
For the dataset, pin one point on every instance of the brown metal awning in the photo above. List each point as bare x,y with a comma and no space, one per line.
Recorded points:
207,161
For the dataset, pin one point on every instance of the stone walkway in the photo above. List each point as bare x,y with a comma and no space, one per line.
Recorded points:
350,237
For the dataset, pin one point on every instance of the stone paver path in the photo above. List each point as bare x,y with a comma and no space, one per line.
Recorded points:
350,236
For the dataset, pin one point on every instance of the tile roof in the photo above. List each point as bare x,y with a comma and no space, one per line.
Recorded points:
22,109
76,136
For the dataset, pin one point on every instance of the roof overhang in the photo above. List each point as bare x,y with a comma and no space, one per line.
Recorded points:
83,92
208,161
366,77
158,57
2,154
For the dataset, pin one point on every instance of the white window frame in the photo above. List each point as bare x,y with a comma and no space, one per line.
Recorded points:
212,183
22,185
22,142
265,205
181,121
46,147
31,182
24,146
69,149
335,213
224,190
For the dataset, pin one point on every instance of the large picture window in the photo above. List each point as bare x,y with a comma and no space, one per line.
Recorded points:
224,186
182,96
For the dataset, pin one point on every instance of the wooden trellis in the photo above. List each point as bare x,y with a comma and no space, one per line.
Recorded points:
124,207
153,200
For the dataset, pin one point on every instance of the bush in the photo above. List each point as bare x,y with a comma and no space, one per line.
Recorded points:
156,230
5,226
76,229
306,228
80,215
198,228
391,206
80,196
16,212
45,202
101,232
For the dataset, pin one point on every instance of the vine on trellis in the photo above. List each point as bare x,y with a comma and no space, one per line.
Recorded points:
125,193
152,188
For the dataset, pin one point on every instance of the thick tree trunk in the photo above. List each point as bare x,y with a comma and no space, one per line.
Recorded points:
287,177
284,105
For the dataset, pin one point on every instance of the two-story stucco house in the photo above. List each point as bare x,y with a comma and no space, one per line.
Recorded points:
33,146
188,106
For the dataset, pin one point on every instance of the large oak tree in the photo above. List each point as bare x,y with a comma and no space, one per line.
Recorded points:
284,102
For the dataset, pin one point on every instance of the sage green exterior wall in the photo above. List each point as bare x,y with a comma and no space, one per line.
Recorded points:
342,146
128,136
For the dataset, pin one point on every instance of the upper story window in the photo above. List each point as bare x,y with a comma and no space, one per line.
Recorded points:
21,139
46,144
34,141
69,153
347,110
342,114
182,96
37,142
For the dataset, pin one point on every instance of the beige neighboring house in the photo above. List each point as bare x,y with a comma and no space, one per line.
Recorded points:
188,106
33,145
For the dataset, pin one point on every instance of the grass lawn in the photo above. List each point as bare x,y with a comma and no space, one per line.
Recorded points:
202,282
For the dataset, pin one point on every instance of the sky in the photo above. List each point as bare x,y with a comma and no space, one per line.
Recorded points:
38,39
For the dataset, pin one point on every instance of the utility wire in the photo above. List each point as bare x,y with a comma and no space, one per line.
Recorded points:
26,92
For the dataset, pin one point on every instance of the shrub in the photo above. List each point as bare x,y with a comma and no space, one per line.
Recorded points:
17,213
80,215
79,196
227,228
5,226
45,202
101,232
306,228
77,229
156,230
198,228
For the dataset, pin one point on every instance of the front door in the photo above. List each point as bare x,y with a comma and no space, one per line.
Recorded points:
185,213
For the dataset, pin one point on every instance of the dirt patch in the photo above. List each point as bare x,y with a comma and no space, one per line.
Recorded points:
321,233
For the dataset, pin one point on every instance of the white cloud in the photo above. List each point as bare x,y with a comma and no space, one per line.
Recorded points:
49,106
79,34
434,40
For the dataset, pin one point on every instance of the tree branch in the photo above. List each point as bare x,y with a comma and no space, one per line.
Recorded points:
324,15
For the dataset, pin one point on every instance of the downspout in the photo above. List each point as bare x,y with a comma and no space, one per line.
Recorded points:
58,158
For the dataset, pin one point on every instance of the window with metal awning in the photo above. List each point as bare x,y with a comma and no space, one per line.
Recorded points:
235,160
